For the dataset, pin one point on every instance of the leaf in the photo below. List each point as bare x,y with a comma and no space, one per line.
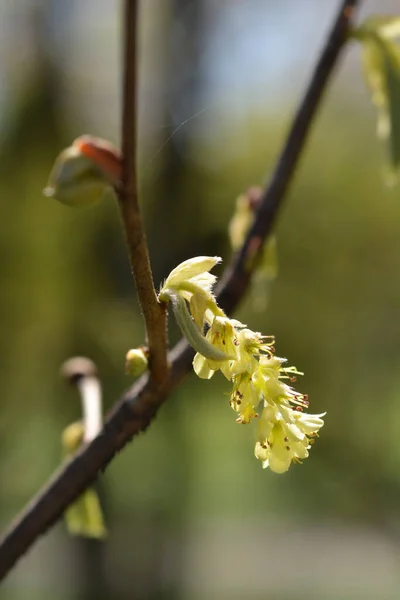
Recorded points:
391,64
386,26
381,61
372,59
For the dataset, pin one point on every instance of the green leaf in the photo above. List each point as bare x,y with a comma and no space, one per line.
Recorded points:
386,26
381,61
391,64
372,59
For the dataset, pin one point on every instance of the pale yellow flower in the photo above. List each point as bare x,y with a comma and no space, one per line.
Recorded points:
284,436
222,335
244,398
192,272
250,346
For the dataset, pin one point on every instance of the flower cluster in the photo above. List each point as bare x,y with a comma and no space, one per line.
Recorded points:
247,359
84,517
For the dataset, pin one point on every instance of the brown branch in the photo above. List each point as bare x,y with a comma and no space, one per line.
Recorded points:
236,277
154,313
135,410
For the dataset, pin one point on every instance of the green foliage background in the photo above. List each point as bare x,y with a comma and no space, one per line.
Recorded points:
190,511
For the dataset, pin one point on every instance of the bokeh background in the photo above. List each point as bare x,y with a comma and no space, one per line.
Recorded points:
191,513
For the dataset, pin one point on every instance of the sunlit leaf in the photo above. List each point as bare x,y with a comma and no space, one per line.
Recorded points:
381,62
373,65
391,64
386,26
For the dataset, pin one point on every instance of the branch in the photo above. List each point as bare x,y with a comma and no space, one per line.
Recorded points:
236,277
137,407
154,313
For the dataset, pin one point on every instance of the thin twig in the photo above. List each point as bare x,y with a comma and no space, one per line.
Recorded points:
135,410
236,277
154,313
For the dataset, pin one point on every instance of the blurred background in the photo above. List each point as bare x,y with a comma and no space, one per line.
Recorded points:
191,513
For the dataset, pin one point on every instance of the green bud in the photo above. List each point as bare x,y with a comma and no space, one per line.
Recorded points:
75,179
136,361
85,172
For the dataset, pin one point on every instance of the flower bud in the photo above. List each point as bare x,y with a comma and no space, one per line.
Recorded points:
103,154
136,361
84,172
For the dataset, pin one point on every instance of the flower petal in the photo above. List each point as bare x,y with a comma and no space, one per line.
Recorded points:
190,268
280,459
201,368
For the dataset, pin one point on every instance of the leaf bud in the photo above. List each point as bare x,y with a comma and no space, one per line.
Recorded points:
84,172
136,361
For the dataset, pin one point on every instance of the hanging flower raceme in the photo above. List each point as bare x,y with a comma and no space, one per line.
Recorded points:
247,359
84,517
